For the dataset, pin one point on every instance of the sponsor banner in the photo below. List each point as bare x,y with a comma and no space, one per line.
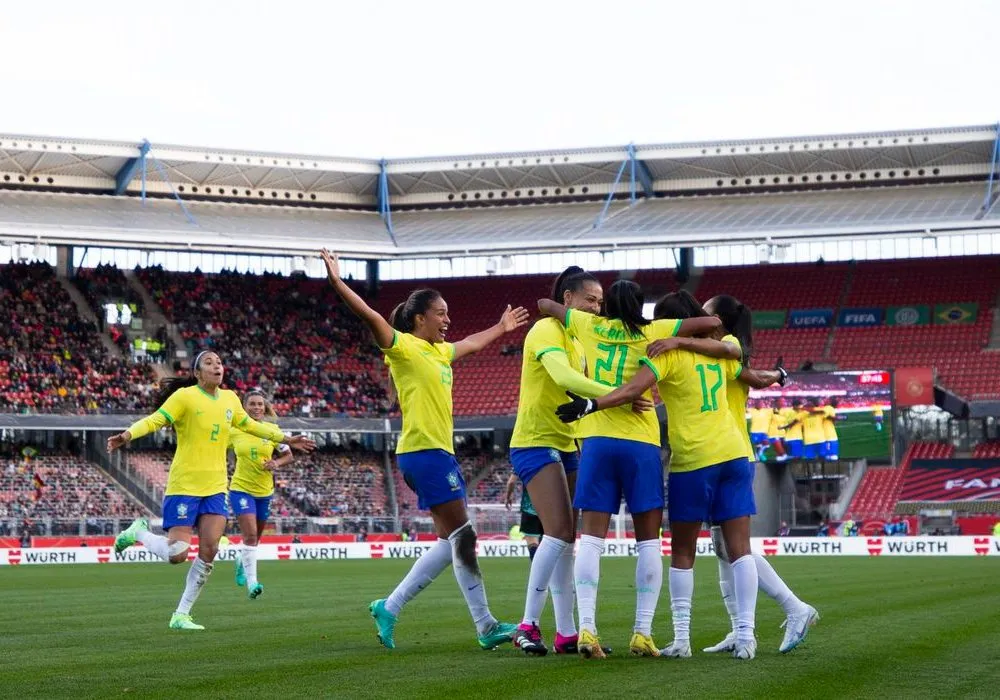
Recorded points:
860,317
917,315
914,386
810,318
769,319
955,313
967,480
767,546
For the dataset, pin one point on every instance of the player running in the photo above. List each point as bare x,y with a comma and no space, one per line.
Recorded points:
252,486
878,415
203,415
621,456
420,361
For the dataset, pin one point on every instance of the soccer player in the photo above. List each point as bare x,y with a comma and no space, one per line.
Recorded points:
621,456
420,360
530,528
831,448
813,431
877,416
760,422
775,435
737,321
544,456
252,487
203,416
794,418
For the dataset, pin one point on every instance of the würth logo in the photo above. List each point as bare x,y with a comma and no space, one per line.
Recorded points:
981,545
13,556
192,552
874,546
103,555
284,551
770,547
377,551
665,546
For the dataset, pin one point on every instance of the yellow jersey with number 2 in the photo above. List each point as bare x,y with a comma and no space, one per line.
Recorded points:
613,356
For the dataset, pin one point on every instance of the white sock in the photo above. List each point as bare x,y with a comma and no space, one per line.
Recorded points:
587,574
648,581
546,557
424,570
681,590
249,557
745,585
470,580
562,589
156,544
196,577
726,586
773,586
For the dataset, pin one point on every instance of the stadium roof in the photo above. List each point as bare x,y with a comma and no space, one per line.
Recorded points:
75,191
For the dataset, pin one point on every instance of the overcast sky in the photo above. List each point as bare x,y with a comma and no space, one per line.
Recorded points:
436,77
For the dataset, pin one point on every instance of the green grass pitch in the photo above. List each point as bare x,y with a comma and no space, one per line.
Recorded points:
891,628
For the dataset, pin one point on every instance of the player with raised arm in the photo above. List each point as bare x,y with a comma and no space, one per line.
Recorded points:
203,416
420,360
252,486
737,322
621,456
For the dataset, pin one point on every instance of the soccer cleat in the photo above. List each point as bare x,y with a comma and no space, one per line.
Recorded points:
589,646
241,574
726,644
568,645
745,649
126,538
499,633
677,649
385,623
797,627
528,638
642,645
255,591
179,621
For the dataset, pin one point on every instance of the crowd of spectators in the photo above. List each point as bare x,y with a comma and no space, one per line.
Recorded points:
335,483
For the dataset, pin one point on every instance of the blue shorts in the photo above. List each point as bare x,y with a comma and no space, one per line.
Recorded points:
831,448
434,475
712,495
243,503
611,468
813,451
184,510
528,461
758,438
794,449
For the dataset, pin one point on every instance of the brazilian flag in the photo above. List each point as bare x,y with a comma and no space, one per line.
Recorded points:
955,313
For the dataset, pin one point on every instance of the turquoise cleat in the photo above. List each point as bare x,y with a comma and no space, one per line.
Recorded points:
241,575
385,623
255,591
179,621
500,633
127,537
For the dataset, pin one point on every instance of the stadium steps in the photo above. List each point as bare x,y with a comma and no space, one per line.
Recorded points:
153,314
845,293
83,308
994,343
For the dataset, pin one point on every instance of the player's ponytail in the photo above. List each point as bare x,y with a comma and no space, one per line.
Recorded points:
172,384
403,317
737,319
571,279
624,302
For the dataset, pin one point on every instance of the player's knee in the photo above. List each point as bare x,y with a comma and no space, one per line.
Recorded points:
208,551
250,539
177,551
464,545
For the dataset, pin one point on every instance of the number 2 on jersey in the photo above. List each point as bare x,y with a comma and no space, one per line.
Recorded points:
215,432
709,397
607,363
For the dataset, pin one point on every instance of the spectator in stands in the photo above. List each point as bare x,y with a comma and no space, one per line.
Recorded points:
823,530
784,530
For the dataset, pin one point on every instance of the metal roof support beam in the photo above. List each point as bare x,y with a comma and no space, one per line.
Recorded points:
988,199
163,175
382,196
641,171
127,172
611,195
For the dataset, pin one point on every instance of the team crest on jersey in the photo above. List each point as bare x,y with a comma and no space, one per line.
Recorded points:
453,481
554,455
244,502
182,510
229,415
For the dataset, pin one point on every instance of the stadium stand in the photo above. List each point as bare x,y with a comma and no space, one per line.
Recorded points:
878,491
328,484
987,450
51,360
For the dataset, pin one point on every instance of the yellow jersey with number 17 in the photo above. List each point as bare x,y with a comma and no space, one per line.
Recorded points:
252,453
203,423
613,356
421,372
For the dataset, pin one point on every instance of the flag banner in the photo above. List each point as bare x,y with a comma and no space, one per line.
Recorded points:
858,318
769,319
919,315
810,318
914,386
955,313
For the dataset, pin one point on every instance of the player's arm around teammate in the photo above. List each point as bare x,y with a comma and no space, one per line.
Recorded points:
419,360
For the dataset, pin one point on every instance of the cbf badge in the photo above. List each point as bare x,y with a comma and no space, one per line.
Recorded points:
229,415
182,510
453,481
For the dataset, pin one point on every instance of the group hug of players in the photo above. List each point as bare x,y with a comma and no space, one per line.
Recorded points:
805,430
586,437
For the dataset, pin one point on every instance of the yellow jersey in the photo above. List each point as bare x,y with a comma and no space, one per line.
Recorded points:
203,424
421,372
788,415
613,356
877,411
760,419
251,454
775,421
812,428
700,423
830,423
737,394
537,424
